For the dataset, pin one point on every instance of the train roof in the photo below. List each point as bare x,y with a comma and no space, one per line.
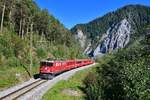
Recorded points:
60,59
52,59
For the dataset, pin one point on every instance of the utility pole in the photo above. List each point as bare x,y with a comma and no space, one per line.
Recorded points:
31,62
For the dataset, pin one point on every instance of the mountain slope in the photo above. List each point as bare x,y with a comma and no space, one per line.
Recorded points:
124,75
114,30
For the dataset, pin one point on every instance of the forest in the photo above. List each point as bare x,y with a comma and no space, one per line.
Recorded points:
29,34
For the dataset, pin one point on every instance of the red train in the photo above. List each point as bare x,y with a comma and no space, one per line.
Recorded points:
51,67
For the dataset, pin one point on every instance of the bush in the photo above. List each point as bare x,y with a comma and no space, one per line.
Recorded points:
8,52
125,77
92,87
41,53
13,62
19,46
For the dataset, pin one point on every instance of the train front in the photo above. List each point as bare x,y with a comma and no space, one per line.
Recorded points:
46,69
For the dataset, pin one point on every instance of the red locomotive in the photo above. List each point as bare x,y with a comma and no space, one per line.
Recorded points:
51,67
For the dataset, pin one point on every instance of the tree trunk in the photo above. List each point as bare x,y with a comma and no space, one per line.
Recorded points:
42,36
3,14
23,24
31,62
28,26
11,26
10,20
20,28
27,31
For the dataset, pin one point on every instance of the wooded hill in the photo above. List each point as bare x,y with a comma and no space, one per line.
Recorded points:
138,15
29,34
20,15
23,23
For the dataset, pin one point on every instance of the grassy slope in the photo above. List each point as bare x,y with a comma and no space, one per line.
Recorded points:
10,76
14,54
74,83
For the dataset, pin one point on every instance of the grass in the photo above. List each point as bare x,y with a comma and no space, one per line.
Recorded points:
10,76
14,53
74,83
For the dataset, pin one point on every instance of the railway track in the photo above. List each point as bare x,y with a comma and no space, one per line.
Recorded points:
23,90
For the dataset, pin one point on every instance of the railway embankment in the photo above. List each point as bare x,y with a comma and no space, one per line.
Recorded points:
37,92
70,88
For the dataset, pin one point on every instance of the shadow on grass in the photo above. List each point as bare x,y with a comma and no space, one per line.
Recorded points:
26,69
84,91
36,76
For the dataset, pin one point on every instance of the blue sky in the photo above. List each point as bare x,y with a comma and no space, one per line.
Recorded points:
72,12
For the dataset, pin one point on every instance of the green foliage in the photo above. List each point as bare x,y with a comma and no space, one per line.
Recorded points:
42,20
92,87
124,76
19,47
41,53
13,61
8,77
23,19
49,35
15,52
19,15
62,51
74,83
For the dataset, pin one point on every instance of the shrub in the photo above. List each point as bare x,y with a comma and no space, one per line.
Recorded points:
92,87
41,53
125,77
13,62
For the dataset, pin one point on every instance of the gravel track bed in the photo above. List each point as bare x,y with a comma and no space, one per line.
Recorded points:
14,88
37,93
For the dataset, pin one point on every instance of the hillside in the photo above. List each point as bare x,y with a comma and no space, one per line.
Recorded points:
114,30
27,35
124,75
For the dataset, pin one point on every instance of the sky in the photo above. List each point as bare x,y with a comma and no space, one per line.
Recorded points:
72,12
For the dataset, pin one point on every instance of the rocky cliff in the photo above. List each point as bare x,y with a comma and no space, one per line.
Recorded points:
117,36
112,31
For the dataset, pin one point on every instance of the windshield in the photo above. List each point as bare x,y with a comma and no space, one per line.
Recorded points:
46,64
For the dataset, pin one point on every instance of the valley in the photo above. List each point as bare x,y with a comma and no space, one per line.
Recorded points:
119,41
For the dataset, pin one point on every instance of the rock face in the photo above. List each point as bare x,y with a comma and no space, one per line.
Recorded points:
81,38
117,36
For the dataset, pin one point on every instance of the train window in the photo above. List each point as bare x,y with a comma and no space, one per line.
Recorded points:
58,64
79,62
49,64
46,64
43,63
